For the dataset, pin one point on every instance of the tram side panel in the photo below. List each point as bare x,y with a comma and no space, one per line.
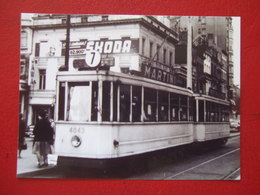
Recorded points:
103,141
137,139
210,131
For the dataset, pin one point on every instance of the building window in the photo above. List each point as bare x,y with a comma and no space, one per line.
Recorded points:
164,56
203,20
151,50
143,45
63,20
104,18
22,66
42,79
158,52
125,70
84,19
37,49
24,39
170,58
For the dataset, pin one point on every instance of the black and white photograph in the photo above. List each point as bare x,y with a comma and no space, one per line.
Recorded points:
129,97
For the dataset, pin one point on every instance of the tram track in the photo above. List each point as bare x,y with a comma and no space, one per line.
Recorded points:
233,174
195,169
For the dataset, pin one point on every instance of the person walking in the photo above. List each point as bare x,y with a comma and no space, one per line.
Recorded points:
21,142
43,139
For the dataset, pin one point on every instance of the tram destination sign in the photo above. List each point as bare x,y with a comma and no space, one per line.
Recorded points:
116,46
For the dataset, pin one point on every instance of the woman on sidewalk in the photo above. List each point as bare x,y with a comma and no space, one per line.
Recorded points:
22,128
43,139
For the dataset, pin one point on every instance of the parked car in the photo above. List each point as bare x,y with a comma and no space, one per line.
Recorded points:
235,124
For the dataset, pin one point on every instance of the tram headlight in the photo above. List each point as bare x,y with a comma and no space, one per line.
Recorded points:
75,141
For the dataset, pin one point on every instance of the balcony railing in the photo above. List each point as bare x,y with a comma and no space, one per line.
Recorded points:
217,94
42,61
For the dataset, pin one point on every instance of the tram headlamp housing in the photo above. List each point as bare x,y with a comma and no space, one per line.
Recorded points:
75,141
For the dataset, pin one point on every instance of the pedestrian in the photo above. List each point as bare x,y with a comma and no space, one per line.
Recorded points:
43,139
21,142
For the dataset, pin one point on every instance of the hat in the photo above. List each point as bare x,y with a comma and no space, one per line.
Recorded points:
43,113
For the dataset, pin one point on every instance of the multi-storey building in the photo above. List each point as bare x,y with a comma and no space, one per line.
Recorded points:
212,53
129,44
25,57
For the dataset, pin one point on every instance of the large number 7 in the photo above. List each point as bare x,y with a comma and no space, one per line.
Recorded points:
93,56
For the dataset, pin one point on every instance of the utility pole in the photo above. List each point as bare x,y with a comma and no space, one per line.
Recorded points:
189,55
67,44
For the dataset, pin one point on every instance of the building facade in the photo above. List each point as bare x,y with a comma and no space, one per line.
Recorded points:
154,47
212,53
25,58
129,44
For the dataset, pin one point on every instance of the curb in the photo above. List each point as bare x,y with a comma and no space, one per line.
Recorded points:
30,173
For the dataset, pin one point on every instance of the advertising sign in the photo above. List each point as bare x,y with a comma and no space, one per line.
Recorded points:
116,46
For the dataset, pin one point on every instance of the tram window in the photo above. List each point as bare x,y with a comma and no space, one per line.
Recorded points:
201,111
163,103
115,88
174,106
218,113
124,103
207,111
150,104
78,102
94,104
226,114
136,103
106,101
183,108
61,101
191,108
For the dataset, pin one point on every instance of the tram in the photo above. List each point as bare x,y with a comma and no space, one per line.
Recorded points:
103,115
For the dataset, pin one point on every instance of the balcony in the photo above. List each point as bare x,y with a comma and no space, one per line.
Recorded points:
217,94
42,61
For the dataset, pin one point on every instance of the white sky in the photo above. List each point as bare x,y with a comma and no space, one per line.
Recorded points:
236,48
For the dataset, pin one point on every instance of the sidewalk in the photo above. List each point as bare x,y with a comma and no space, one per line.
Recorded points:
28,162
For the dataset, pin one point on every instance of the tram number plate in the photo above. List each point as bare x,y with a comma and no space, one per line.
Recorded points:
79,130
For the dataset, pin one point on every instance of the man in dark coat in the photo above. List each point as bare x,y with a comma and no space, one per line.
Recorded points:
43,139
22,128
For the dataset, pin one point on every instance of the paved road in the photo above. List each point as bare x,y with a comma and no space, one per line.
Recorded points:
204,163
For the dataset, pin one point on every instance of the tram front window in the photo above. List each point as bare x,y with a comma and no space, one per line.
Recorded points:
79,102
